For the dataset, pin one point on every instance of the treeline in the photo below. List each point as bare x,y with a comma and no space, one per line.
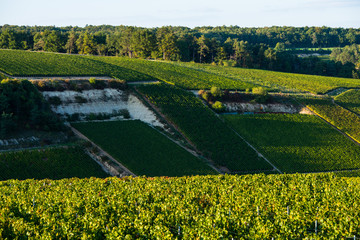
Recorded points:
264,48
23,107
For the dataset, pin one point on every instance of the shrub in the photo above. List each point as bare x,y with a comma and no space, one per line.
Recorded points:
207,96
80,99
54,100
262,95
216,92
218,106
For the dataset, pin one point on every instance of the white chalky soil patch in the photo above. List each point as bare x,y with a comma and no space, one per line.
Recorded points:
103,101
256,107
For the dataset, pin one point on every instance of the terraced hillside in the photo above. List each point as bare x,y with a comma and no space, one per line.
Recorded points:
317,206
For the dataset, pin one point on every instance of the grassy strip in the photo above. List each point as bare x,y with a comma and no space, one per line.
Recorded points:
298,143
142,149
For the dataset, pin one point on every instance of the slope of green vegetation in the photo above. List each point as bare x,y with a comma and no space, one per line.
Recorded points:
54,163
298,143
277,80
23,63
203,128
308,206
350,100
186,75
343,119
177,75
142,149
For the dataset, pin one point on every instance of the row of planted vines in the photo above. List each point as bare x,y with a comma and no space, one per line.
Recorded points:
53,163
350,100
298,143
203,128
317,206
277,80
345,120
23,63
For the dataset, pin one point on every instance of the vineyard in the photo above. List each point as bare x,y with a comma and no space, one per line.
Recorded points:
186,75
180,76
203,128
23,63
298,143
54,163
350,100
142,149
317,206
277,80
343,119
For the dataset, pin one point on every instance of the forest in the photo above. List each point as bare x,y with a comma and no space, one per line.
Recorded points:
271,48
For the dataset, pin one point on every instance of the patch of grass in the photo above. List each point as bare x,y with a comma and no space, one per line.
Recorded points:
142,149
297,143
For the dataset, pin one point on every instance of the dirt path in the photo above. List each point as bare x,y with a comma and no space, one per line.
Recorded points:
125,169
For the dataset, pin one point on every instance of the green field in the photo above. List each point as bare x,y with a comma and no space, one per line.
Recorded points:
348,122
54,163
298,143
181,76
186,75
201,207
142,149
277,80
203,128
350,100
24,63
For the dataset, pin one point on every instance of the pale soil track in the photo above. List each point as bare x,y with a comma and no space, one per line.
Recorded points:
82,136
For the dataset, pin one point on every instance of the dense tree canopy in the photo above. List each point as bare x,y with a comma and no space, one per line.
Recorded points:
264,48
22,106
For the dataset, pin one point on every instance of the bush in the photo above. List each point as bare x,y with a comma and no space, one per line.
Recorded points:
97,84
125,113
216,92
117,84
218,106
207,96
80,99
54,100
260,91
262,95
